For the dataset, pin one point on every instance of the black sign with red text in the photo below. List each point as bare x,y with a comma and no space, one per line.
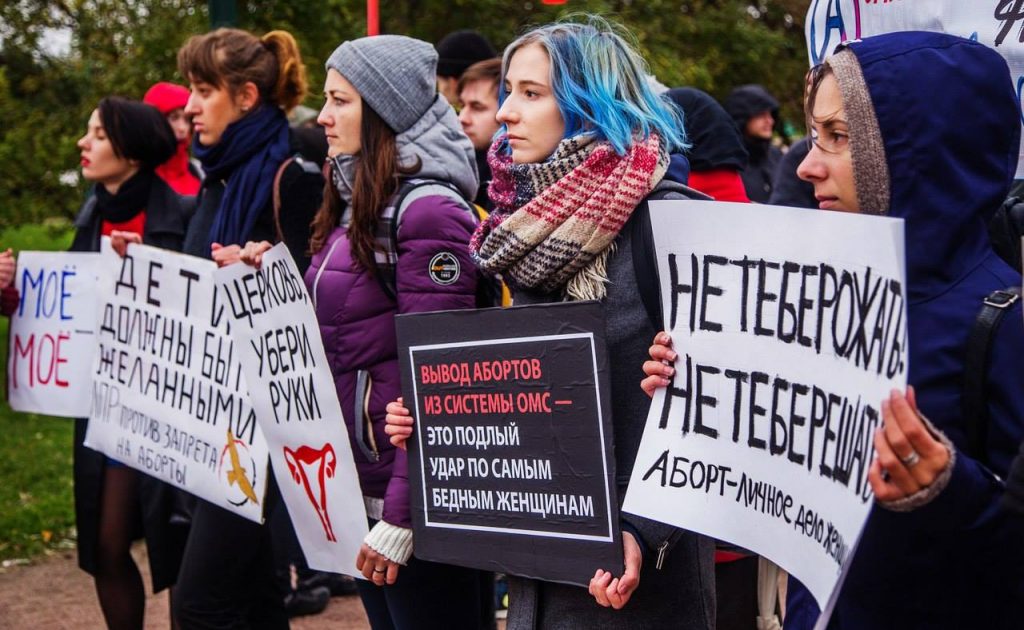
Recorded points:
511,461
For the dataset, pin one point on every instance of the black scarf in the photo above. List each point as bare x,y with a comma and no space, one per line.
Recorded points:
130,199
247,155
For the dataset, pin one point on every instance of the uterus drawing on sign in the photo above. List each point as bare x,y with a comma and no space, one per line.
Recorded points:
322,462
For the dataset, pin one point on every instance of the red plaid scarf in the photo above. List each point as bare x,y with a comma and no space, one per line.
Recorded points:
554,222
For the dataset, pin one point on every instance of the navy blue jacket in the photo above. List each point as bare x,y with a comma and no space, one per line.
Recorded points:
950,123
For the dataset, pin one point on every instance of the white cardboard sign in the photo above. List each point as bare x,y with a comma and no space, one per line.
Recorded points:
169,395
52,334
996,23
276,331
790,326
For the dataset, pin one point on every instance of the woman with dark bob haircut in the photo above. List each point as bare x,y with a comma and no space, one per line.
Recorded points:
123,144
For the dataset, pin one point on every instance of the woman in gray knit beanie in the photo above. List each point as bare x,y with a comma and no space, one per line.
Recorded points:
390,136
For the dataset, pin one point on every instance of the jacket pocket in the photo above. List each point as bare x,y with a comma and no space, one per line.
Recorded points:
363,425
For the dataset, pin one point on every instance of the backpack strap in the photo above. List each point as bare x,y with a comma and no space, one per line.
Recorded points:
277,196
390,219
979,347
641,239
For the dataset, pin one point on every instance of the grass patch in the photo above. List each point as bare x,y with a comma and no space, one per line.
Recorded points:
36,500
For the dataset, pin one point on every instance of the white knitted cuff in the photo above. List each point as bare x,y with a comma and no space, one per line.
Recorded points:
390,541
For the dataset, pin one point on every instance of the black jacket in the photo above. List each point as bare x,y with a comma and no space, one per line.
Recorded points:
301,190
166,220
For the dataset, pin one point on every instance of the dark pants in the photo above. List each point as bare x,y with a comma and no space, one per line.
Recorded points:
227,575
426,596
736,589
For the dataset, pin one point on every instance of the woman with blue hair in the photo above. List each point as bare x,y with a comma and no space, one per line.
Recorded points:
584,143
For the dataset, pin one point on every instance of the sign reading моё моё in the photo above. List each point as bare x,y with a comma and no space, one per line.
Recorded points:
511,462
790,329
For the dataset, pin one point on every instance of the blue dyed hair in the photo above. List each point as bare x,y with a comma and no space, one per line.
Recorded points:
601,84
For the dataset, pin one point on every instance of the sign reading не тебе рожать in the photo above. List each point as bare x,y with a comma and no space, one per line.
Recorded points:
293,392
169,396
511,463
790,328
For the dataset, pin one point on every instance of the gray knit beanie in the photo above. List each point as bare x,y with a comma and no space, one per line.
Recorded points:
394,74
870,167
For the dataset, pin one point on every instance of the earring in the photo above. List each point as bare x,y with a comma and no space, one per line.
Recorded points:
245,109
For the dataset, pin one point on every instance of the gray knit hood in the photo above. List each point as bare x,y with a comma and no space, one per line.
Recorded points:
444,151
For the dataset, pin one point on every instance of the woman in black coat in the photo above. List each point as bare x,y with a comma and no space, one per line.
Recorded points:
123,144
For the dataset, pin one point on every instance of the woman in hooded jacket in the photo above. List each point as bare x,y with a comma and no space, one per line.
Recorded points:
584,142
926,127
390,135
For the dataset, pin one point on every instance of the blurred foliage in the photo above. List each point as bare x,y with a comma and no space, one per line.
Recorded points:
123,46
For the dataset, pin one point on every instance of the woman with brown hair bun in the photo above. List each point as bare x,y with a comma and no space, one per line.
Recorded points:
242,88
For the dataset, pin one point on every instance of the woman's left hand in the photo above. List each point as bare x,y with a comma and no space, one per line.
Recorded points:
615,592
909,458
225,255
252,253
7,267
119,240
375,567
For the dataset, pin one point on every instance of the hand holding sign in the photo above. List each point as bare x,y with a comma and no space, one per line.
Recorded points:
659,369
6,267
252,253
399,423
119,240
224,255
909,458
615,592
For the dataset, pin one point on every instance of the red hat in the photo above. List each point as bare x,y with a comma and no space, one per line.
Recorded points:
166,97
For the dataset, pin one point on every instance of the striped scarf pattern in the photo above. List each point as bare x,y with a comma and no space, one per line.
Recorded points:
554,222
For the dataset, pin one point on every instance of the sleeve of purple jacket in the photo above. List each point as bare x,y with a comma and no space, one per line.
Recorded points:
434,273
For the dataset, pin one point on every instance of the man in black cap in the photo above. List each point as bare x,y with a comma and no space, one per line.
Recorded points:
456,52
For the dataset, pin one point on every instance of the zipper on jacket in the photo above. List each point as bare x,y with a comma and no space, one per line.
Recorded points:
672,539
363,426
662,548
320,271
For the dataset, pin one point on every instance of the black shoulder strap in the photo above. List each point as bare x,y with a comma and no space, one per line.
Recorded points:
641,240
401,201
979,348
645,267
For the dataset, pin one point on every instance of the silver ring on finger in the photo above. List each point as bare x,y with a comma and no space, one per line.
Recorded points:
911,460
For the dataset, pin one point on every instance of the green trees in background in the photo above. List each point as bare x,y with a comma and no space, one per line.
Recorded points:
123,46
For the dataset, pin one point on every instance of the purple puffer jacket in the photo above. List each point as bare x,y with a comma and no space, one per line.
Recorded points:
357,322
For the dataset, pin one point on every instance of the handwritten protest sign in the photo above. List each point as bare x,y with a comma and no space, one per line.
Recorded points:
511,463
169,397
52,338
790,333
276,332
995,23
